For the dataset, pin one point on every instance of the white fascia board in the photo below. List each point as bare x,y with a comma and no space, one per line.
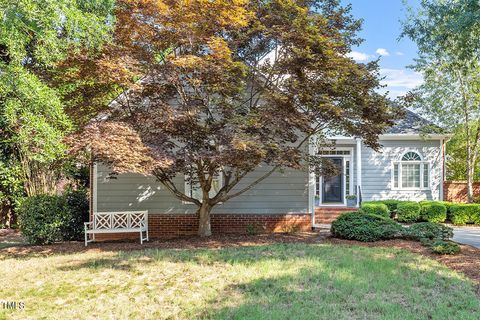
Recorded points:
397,136
403,136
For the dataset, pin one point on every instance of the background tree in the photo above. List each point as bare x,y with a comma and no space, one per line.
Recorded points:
229,85
34,37
447,33
456,160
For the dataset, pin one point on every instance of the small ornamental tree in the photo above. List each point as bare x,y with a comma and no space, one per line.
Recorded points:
229,85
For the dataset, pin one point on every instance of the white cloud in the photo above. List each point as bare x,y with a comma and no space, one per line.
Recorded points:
399,53
399,81
358,56
382,52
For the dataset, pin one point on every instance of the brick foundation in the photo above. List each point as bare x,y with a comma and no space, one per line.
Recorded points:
456,191
175,225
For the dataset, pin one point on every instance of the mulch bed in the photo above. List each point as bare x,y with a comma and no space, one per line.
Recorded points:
466,262
191,242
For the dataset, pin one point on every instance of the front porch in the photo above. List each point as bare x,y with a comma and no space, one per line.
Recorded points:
333,195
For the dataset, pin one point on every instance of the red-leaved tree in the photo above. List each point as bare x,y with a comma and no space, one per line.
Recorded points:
228,85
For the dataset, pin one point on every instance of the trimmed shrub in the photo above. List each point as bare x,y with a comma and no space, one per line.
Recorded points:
77,202
408,211
428,230
46,219
392,205
375,207
365,227
41,218
465,213
433,211
445,247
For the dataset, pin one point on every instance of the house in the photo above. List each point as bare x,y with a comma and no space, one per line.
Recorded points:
410,165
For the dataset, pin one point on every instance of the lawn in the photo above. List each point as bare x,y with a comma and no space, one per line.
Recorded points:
278,281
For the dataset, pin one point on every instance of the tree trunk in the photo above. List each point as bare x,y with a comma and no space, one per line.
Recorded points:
204,227
470,184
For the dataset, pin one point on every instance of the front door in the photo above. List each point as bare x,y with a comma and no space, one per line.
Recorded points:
333,186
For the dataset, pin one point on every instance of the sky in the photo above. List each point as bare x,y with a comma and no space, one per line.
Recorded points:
381,31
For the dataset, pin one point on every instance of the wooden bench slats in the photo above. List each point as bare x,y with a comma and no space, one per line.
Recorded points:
117,222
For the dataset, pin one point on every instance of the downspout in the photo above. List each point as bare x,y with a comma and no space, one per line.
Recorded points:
311,184
359,170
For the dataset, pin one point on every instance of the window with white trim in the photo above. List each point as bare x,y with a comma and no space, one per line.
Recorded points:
193,189
411,172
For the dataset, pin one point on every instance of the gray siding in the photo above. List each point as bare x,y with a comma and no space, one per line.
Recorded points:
282,192
285,192
377,170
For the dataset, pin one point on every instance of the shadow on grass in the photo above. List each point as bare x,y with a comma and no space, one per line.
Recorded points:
181,243
317,295
302,281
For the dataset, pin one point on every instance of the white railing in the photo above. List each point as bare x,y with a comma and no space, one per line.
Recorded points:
117,222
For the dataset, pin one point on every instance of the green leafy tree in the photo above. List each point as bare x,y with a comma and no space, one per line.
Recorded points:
456,159
35,35
446,33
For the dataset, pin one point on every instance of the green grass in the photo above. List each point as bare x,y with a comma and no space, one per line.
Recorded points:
283,281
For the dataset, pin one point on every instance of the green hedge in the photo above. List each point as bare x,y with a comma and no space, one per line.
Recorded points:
375,207
77,202
465,213
365,227
392,204
46,219
408,211
433,211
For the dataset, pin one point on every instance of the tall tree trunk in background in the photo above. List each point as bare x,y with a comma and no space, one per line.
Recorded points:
204,225
470,173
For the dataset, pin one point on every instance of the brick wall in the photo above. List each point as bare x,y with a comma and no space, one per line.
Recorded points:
174,225
456,191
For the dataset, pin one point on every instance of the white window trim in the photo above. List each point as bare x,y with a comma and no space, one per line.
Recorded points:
422,163
188,190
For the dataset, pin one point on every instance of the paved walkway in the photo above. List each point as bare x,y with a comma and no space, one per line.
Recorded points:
467,235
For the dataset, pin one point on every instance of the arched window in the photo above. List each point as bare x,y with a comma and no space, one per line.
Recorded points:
411,172
411,156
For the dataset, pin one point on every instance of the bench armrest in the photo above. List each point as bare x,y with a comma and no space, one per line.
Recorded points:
87,224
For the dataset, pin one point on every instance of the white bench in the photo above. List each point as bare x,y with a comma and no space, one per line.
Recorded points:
117,222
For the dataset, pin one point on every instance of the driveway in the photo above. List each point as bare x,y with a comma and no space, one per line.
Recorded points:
467,235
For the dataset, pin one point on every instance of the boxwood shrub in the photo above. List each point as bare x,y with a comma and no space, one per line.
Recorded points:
428,230
46,219
465,213
365,227
41,218
433,211
392,205
375,207
77,202
447,205
408,211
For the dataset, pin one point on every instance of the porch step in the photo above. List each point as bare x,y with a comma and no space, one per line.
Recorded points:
327,215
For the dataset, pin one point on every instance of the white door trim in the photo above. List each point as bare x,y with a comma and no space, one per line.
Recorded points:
345,158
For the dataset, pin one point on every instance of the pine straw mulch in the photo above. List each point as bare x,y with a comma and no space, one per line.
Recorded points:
466,262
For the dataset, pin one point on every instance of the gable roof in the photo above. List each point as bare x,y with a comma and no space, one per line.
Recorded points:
412,123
